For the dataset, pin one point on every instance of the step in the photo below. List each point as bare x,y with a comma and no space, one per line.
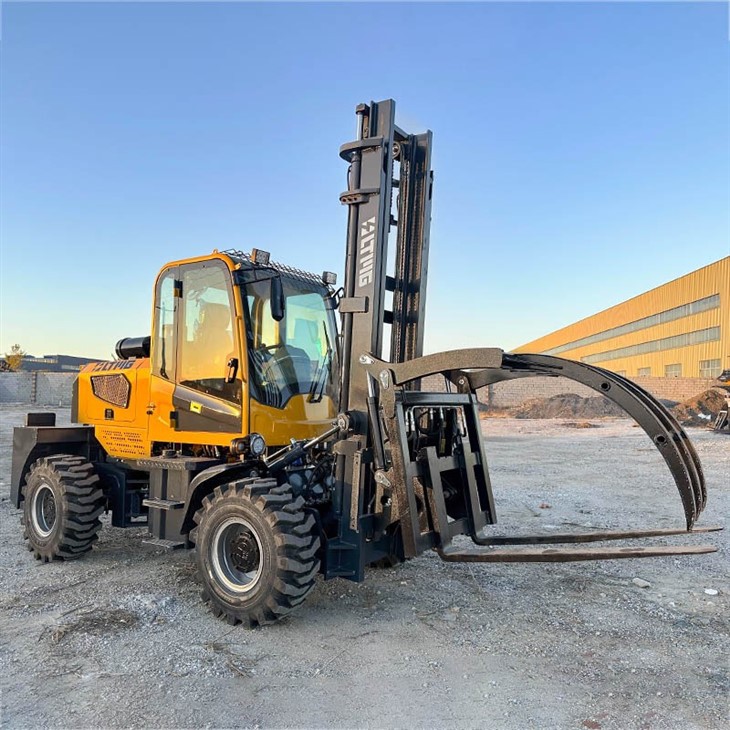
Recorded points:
340,573
163,503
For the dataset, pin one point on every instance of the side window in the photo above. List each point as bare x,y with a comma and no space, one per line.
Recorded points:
207,340
304,325
163,348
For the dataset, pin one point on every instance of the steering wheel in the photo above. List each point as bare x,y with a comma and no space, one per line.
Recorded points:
268,360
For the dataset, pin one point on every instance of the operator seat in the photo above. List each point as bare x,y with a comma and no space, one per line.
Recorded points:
215,338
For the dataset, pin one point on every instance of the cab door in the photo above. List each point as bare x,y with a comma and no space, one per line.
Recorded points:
160,410
208,389
196,375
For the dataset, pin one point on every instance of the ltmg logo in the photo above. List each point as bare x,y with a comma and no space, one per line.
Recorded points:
367,252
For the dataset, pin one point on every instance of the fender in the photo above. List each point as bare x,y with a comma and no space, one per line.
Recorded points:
207,480
33,442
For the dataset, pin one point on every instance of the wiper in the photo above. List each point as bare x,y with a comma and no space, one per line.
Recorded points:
318,381
316,391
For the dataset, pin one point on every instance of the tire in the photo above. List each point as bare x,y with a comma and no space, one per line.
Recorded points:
256,551
62,502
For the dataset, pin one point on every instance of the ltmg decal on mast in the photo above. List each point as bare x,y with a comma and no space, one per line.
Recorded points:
367,252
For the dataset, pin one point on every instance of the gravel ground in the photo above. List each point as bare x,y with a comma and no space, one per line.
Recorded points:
120,639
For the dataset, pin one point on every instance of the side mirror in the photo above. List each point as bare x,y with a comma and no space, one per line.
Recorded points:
278,302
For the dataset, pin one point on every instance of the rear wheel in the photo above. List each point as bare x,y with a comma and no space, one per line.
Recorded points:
256,551
62,502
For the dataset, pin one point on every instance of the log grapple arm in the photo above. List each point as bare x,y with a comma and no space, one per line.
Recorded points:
469,370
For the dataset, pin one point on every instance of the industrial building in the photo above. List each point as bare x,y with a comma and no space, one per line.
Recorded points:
51,363
679,329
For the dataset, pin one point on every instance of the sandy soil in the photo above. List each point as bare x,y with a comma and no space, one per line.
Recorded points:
120,639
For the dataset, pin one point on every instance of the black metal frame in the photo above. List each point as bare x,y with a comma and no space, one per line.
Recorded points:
659,424
427,468
358,529
471,369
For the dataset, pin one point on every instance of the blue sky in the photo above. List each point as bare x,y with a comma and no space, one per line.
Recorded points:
581,152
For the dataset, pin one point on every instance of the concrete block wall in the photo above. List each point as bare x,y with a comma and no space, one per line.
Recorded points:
515,392
510,393
16,387
37,388
677,389
53,389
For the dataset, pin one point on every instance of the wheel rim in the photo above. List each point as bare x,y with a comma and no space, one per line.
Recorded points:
236,555
43,510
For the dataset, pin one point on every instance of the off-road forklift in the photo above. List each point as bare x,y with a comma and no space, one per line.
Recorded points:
248,427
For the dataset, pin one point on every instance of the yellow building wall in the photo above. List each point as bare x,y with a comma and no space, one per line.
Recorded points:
705,282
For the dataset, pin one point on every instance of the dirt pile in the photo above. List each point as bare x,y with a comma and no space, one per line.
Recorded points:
702,409
568,405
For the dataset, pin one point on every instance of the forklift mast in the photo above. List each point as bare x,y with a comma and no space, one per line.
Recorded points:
384,158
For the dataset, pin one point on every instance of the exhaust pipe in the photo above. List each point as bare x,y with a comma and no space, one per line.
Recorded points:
129,347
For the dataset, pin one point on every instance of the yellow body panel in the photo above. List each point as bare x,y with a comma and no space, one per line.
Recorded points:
132,430
121,429
160,405
297,420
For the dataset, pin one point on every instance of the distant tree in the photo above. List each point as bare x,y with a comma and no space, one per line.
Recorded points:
14,358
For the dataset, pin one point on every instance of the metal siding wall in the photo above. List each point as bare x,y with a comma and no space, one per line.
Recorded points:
704,282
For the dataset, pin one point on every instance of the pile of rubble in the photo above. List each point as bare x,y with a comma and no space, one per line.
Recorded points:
702,409
568,405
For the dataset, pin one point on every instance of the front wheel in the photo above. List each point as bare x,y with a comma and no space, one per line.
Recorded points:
256,551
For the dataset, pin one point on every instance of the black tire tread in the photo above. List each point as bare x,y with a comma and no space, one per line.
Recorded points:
84,503
297,544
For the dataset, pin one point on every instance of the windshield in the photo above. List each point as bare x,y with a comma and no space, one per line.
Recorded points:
296,356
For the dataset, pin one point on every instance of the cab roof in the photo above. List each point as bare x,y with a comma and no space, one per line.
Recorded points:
245,261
